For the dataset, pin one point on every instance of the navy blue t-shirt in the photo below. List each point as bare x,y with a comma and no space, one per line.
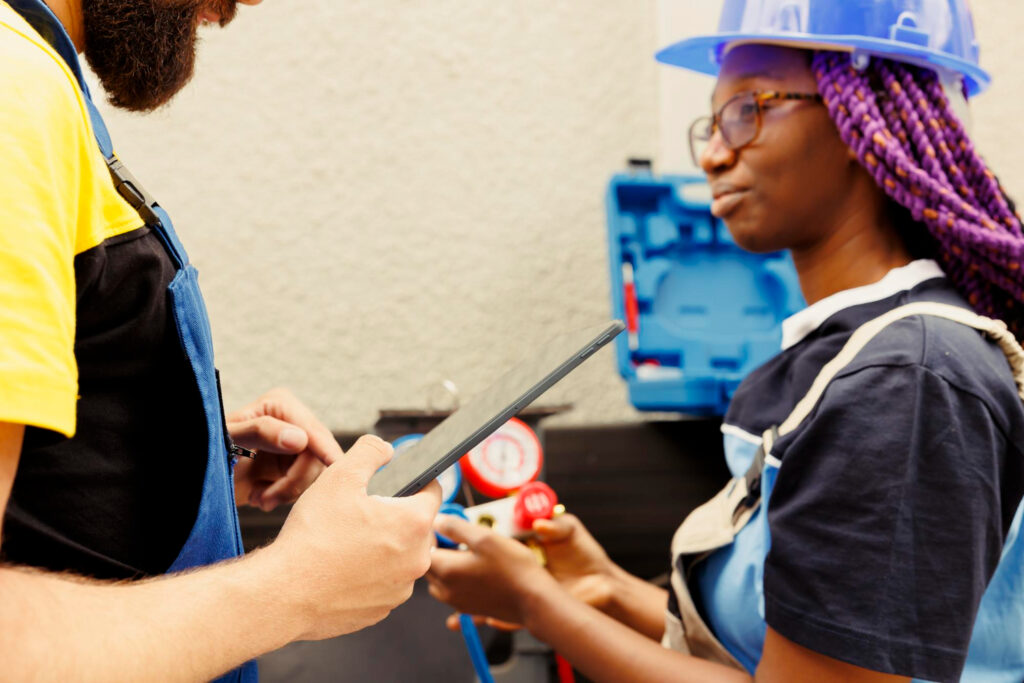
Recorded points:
894,497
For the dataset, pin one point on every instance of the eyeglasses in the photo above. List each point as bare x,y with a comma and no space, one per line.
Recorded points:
739,120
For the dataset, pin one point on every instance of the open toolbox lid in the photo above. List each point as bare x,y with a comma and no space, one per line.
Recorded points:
701,313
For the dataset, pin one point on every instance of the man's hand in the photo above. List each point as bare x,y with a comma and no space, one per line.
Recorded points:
292,448
493,578
347,559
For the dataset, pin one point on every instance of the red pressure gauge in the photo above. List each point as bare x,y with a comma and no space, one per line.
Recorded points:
534,501
505,461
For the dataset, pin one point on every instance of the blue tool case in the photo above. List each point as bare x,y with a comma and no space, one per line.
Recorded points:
701,313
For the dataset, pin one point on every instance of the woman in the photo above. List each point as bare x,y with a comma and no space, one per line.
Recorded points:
874,536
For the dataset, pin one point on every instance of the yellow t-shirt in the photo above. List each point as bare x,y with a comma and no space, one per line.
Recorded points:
56,201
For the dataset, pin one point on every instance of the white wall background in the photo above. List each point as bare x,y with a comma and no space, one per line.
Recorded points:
381,194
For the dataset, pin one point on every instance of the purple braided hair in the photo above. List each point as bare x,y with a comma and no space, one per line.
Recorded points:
897,119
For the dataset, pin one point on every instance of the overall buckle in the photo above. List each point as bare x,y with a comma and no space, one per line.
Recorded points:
132,191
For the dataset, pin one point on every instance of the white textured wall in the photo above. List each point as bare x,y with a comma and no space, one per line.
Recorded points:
384,193
998,113
684,96
380,194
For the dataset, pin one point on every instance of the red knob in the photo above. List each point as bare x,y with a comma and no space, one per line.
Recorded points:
534,501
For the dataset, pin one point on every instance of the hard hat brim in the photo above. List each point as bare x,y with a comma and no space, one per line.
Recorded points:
703,53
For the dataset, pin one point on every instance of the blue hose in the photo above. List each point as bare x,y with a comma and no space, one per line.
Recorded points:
476,648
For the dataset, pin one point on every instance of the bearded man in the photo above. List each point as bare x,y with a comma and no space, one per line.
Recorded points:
119,472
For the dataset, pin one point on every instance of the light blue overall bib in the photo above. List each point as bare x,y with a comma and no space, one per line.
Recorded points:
215,535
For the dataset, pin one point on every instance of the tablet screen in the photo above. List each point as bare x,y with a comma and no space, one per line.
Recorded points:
488,410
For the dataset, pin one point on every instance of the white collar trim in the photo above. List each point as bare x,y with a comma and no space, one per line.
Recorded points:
796,327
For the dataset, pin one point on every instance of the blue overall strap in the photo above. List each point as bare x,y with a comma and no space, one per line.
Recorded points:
46,23
215,534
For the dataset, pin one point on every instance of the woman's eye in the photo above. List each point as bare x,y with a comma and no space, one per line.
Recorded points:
748,111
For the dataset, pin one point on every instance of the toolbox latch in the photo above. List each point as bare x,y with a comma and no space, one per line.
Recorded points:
640,165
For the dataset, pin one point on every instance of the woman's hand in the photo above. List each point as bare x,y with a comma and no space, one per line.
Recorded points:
495,577
577,561
586,572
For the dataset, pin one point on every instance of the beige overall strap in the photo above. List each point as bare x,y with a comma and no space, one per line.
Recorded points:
996,329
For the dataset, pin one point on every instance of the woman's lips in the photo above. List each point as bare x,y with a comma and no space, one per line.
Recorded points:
727,202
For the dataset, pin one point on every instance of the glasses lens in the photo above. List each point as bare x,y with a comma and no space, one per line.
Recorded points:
739,121
700,135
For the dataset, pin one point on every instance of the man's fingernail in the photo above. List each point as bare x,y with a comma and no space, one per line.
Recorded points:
293,438
378,443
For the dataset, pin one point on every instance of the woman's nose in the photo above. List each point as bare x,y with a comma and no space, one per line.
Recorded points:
716,155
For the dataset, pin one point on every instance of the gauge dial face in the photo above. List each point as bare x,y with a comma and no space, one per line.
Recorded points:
505,461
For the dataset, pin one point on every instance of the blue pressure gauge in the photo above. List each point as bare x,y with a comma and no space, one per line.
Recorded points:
450,480
455,510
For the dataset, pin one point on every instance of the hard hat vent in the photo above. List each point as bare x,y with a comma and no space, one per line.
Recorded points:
905,31
791,18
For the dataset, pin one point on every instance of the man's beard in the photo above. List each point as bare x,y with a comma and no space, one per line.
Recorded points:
144,51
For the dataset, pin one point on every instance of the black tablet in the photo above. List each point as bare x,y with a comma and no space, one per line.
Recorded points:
488,410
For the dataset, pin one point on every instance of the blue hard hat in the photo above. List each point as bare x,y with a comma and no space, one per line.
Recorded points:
932,33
